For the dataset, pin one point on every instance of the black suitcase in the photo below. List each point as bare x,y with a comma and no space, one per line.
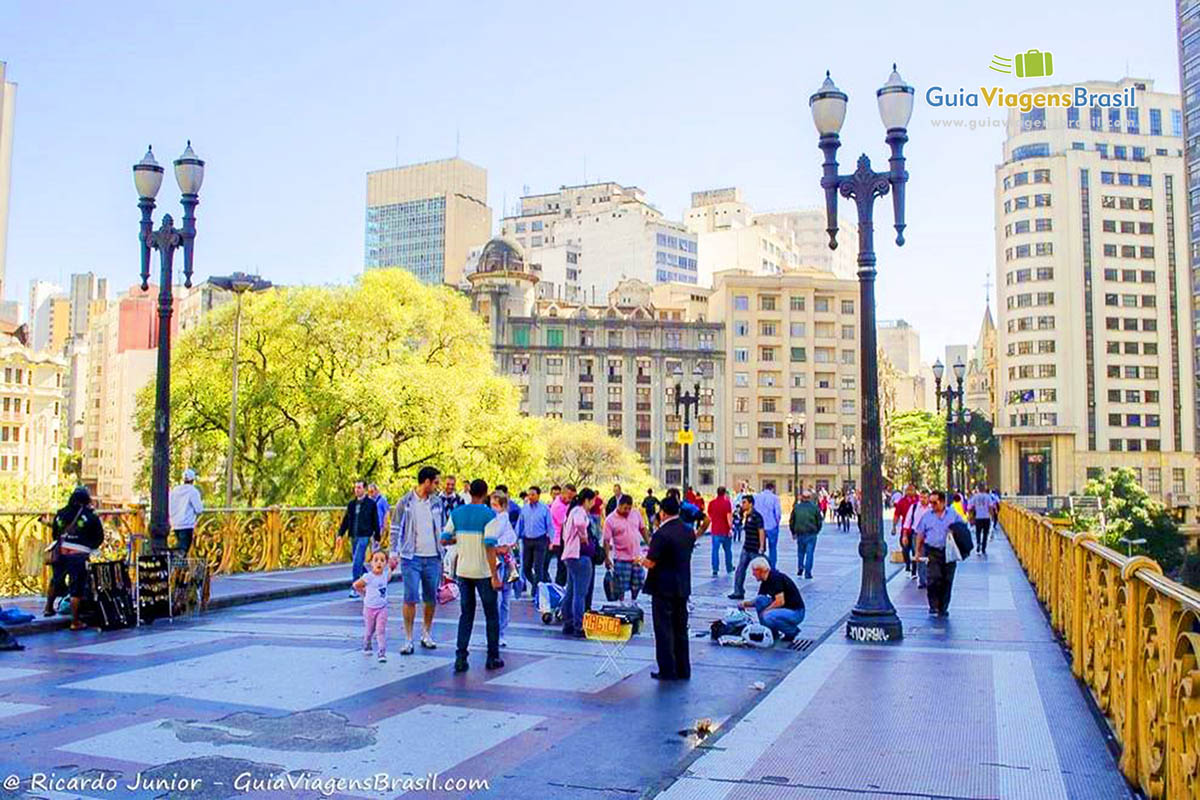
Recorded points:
631,614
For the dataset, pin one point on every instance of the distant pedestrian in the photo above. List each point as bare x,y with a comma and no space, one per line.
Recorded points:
980,509
417,541
501,530
625,533
720,515
534,530
766,503
185,507
611,505
373,586
845,512
931,532
381,505
691,515
669,583
558,517
477,574
451,499
650,507
754,544
805,523
778,603
908,539
743,489
361,524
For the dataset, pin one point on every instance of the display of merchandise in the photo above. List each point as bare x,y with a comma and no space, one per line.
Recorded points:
153,588
111,595
189,585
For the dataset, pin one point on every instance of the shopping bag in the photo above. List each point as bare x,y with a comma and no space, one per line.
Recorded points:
952,553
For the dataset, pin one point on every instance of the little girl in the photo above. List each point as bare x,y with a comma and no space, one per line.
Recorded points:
506,538
373,587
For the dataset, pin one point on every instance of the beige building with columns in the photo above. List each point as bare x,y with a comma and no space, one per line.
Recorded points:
792,349
32,394
1094,343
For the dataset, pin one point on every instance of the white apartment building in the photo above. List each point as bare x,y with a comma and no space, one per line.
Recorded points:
792,349
596,235
1094,343
730,236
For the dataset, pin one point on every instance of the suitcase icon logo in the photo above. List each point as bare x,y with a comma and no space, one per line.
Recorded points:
1030,64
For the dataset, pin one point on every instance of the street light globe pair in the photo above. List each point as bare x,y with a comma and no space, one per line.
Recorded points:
895,99
148,175
678,371
939,369
800,420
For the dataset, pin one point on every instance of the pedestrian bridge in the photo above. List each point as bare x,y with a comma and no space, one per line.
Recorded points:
1065,670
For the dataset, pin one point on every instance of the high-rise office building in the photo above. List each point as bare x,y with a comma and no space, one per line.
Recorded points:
44,323
901,342
793,349
1186,122
84,290
8,108
1094,335
605,233
425,218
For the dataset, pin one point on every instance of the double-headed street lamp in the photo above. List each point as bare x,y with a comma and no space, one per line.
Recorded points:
147,179
874,617
951,394
848,443
795,432
686,401
239,283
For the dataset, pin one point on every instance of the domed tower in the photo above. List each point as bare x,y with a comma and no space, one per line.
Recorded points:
502,286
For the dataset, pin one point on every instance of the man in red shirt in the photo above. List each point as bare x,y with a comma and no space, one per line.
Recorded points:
899,512
720,512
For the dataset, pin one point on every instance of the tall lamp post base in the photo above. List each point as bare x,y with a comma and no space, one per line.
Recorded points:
874,626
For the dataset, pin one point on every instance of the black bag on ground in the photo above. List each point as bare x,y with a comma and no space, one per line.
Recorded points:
610,591
729,626
962,538
8,641
631,614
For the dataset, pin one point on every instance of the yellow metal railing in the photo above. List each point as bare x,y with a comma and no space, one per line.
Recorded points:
229,539
1134,638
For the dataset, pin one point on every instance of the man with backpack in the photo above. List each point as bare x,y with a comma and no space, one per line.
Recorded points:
805,524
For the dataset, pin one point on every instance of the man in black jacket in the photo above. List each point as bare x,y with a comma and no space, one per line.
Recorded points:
669,582
754,544
77,532
361,524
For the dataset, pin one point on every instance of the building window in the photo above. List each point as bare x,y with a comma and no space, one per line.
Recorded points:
796,303
554,337
767,302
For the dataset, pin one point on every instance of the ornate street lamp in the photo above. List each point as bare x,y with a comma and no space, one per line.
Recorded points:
147,179
795,432
687,401
874,617
848,456
957,425
239,283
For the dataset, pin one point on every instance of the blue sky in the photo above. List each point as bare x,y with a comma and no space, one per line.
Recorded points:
292,103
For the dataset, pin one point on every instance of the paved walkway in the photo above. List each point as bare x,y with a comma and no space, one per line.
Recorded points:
279,691
980,705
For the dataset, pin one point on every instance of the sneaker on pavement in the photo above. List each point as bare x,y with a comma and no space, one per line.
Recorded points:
353,595
407,650
461,665
382,658
427,642
367,650
494,663
736,596
504,643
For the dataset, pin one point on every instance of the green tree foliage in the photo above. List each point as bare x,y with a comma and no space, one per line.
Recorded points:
370,380
1130,513
583,454
917,447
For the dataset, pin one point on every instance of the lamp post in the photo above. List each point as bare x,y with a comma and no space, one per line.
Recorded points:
795,432
147,179
687,401
848,456
957,428
239,283
874,617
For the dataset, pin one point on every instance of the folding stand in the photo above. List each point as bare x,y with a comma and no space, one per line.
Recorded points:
612,634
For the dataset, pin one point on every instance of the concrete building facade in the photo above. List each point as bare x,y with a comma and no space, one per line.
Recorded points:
425,218
602,234
610,363
8,109
123,347
32,386
792,349
1094,341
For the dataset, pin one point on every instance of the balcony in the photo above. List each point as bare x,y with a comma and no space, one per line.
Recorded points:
616,433
643,433
586,377
707,459
586,405
615,377
643,379
614,405
642,406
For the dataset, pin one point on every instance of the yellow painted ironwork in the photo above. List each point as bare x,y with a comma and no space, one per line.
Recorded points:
229,540
1134,637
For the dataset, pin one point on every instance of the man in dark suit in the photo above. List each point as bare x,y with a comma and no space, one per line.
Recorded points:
669,582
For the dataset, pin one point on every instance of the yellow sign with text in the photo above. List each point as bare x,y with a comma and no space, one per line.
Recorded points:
685,437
